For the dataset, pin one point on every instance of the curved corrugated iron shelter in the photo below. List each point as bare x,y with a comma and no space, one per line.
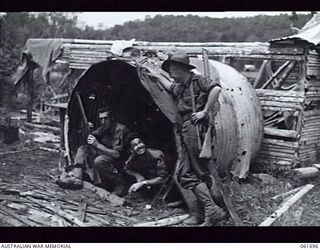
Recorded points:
142,105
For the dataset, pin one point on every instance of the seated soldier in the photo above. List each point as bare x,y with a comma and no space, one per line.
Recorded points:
107,145
146,165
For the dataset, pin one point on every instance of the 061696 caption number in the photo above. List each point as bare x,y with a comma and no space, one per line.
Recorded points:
314,246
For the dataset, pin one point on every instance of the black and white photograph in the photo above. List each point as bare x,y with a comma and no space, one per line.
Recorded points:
160,119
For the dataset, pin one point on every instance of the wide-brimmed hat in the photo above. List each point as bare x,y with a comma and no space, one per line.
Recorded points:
180,58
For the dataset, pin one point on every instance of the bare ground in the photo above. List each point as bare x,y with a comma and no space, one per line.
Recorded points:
25,172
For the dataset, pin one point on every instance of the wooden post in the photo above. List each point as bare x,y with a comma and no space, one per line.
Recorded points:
62,112
29,80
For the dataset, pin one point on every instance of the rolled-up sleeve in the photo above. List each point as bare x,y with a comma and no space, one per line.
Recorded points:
206,84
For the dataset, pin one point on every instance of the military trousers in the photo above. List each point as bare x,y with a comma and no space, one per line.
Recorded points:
102,172
192,170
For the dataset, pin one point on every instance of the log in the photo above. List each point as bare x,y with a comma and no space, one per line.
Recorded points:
273,218
17,151
54,150
164,222
307,172
114,199
38,126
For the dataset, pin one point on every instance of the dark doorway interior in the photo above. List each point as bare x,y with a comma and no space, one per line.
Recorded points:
117,84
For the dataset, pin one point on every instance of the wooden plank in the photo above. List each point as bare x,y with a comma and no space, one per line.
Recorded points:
283,109
82,211
164,222
38,126
226,196
284,143
116,200
279,93
273,77
286,206
282,99
281,132
24,220
59,212
9,220
286,194
281,104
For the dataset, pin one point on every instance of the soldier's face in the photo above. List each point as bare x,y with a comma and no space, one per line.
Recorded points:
137,146
176,72
105,120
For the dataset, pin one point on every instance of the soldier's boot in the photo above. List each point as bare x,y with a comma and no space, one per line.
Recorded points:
120,187
213,213
196,214
216,195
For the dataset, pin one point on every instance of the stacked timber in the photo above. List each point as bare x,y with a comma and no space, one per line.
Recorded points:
312,90
313,64
279,100
312,85
310,137
81,54
280,146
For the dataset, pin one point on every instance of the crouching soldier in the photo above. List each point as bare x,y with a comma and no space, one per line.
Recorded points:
106,147
146,165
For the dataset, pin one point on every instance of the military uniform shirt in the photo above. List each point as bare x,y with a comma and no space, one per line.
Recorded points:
150,165
113,139
201,85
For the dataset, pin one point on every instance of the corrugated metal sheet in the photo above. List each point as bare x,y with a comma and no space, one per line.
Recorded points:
239,122
310,33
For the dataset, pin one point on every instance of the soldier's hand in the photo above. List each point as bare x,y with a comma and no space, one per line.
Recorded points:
90,124
92,140
135,187
196,117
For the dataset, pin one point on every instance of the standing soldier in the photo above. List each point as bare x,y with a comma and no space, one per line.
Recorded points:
190,89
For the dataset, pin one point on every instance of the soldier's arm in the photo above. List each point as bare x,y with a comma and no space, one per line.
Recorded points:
162,79
212,98
154,181
114,154
135,174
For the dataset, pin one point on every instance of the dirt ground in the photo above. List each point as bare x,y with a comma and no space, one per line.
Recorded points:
26,168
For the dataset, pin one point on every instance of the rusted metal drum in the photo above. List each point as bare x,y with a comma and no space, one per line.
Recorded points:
141,104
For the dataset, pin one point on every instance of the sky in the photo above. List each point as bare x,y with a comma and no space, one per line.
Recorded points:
109,19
